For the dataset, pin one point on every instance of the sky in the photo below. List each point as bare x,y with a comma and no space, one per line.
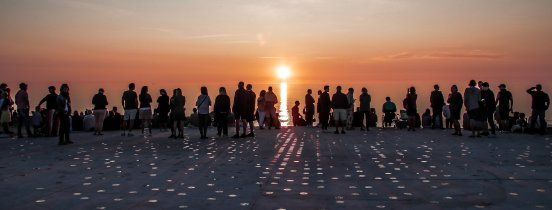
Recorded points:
323,41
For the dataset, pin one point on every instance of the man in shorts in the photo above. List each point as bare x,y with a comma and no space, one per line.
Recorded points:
340,104
130,105
240,109
252,101
505,103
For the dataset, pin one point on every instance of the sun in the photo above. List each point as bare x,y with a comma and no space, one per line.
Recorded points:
283,72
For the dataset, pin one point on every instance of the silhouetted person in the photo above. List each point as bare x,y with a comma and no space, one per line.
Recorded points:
145,109
505,103
100,110
271,100
351,108
539,105
51,105
309,108
130,106
222,109
340,104
426,119
63,110
365,100
325,105
411,108
203,103
437,102
389,110
77,121
177,112
489,106
240,109
295,114
251,104
6,102
163,108
456,102
472,96
23,106
261,109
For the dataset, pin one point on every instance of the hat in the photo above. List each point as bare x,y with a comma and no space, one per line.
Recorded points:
485,84
502,85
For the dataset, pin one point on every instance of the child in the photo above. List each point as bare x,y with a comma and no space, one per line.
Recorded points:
521,124
37,121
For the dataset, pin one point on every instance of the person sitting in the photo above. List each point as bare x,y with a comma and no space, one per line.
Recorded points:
89,121
194,118
77,121
373,118
358,118
521,124
297,118
426,119
37,121
389,109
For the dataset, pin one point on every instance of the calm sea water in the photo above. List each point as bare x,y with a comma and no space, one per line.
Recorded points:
82,93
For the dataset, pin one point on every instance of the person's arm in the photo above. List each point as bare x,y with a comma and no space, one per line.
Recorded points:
547,100
123,101
43,100
511,103
94,100
105,98
530,90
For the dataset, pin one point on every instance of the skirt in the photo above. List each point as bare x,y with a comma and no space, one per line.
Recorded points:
5,117
145,114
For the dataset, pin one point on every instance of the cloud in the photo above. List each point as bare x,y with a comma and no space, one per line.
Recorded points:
442,54
95,6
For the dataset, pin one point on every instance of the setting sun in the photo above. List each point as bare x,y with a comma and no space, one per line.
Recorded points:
283,72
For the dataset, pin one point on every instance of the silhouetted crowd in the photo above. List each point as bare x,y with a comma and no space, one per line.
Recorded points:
485,113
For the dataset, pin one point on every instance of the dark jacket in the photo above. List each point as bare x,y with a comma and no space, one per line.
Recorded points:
489,98
541,101
437,100
251,101
456,102
365,100
63,104
339,101
309,103
163,104
99,101
222,104
241,99
50,100
325,104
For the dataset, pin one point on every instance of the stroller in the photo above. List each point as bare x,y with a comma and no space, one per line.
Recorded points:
402,121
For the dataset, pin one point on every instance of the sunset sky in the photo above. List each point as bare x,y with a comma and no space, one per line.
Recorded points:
220,41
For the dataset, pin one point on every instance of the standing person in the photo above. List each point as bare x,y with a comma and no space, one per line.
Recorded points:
489,106
145,109
472,96
340,104
351,108
365,100
64,111
448,116
411,107
295,116
539,105
389,109
163,108
271,100
325,105
130,105
505,102
51,105
261,109
251,102
240,109
222,109
178,101
23,106
309,108
6,103
437,102
203,103
100,102
455,104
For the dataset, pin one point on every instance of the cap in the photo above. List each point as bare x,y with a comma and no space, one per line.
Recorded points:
502,85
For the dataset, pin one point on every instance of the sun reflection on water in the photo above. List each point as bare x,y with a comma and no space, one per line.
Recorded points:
283,115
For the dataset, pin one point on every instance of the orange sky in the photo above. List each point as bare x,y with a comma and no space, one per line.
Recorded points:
349,41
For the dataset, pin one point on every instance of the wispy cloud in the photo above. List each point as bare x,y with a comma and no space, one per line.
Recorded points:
271,57
442,54
95,6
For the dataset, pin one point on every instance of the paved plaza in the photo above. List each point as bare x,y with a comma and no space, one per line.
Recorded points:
291,168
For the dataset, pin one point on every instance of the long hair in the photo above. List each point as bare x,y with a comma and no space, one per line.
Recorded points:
204,91
222,91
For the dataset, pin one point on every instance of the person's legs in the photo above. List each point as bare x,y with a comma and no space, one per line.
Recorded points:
63,128
261,119
200,123
49,121
541,117
224,122
491,123
366,117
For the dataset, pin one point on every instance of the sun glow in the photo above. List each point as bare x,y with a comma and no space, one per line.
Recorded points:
283,72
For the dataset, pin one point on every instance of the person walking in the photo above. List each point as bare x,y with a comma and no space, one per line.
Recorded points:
437,102
222,109
325,105
309,108
130,105
411,107
163,109
261,109
64,110
100,103
365,100
178,101
203,103
23,106
145,109
505,102
240,108
456,102
251,104
472,96
488,97
51,105
539,106
271,100
340,104
351,108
